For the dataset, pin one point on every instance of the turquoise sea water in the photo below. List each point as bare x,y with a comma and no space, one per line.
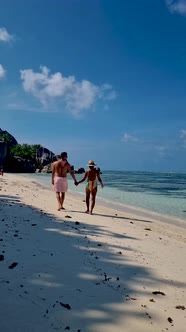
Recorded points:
163,193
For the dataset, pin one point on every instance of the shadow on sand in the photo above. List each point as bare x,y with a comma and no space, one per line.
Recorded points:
66,276
115,216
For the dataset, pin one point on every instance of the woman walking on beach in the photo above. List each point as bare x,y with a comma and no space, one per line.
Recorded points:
92,175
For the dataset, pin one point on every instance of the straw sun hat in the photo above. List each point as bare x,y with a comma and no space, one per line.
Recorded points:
91,163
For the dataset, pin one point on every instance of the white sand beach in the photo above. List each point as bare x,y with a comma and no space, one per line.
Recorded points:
113,271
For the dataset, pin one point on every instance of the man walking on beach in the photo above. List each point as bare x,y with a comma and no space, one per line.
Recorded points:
60,168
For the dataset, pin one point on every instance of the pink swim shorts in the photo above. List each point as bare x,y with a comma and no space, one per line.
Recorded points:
60,184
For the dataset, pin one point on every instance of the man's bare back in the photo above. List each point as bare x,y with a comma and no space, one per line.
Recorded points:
60,168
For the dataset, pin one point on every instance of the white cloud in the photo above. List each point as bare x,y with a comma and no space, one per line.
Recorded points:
2,72
106,92
183,138
161,148
177,6
76,95
163,151
183,134
5,36
20,106
129,138
82,96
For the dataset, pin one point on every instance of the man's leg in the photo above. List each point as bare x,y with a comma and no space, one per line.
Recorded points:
93,199
62,198
87,199
58,200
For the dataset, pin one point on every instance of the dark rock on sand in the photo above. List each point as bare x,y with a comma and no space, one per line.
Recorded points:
13,265
67,306
158,292
180,307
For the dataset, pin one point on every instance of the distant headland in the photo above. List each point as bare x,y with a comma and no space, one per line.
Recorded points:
26,158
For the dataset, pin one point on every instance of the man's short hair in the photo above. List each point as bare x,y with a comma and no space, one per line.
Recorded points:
63,154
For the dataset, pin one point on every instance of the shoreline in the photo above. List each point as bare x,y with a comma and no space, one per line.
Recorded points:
137,211
125,208
113,271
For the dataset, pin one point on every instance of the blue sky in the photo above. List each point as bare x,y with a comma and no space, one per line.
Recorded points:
102,80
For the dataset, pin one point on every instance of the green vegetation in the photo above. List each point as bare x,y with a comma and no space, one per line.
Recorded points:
7,139
25,150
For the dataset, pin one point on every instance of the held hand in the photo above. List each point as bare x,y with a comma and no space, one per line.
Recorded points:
102,185
76,183
53,182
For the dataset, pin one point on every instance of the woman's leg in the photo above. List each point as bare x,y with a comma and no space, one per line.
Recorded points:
93,199
87,199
